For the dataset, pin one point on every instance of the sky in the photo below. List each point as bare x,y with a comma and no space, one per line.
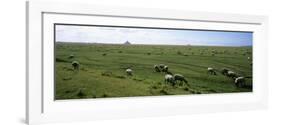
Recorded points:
119,35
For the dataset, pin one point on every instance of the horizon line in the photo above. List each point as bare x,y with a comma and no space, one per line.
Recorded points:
155,44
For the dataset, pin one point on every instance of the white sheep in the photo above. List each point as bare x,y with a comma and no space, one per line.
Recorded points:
211,71
224,71
231,74
71,56
181,78
169,79
240,81
161,66
129,72
165,69
156,68
75,65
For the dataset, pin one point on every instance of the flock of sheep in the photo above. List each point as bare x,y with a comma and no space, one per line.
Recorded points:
168,78
173,79
239,81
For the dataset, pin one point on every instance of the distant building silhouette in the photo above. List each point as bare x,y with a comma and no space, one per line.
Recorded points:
127,43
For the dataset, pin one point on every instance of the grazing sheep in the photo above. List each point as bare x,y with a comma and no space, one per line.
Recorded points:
231,74
169,79
157,69
75,65
240,81
161,66
211,71
129,72
71,56
224,71
179,77
165,69
249,58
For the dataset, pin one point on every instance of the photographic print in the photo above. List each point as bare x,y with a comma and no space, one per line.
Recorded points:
102,61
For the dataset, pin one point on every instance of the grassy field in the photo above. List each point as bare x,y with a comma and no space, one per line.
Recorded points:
102,70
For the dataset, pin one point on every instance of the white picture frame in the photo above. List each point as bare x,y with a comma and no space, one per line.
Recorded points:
41,107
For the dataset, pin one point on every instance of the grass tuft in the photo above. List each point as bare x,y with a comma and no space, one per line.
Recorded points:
107,73
61,60
164,91
120,77
81,94
105,95
186,88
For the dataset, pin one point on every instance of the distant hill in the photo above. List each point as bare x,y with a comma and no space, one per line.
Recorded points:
127,43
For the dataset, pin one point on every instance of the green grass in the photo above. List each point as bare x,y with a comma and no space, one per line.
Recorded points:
102,70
